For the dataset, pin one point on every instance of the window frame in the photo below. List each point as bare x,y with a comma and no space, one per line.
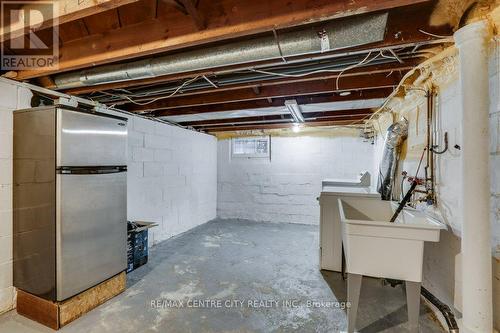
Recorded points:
266,155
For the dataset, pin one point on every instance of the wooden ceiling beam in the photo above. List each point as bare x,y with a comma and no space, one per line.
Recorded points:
331,115
68,10
253,17
249,127
195,14
285,89
177,5
277,102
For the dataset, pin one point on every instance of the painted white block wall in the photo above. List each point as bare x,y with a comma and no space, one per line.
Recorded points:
284,188
11,98
172,177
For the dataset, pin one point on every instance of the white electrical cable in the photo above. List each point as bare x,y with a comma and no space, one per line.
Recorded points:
340,71
186,83
314,72
434,35
144,95
362,62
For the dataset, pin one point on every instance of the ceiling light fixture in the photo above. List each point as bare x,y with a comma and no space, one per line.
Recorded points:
344,93
296,128
294,110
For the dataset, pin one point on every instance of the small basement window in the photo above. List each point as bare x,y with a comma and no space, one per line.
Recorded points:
251,147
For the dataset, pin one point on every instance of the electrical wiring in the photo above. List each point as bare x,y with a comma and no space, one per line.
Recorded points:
362,62
141,98
314,72
386,56
434,35
186,83
128,94
401,84
365,61
132,97
209,81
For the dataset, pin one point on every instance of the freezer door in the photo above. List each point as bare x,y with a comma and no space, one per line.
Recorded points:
85,139
91,230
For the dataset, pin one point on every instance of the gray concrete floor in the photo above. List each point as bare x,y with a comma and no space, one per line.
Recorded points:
232,261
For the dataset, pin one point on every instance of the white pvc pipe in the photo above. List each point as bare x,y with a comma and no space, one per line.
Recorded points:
477,298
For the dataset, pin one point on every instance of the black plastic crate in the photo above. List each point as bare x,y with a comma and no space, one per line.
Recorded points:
137,244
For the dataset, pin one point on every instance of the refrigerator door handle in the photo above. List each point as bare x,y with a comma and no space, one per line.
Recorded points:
91,170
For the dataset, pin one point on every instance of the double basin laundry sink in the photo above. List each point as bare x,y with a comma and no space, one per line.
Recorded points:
375,247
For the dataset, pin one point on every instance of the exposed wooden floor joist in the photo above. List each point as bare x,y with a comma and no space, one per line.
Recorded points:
67,11
285,89
237,19
130,30
277,102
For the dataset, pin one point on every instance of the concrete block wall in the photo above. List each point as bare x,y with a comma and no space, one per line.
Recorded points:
172,177
11,98
284,188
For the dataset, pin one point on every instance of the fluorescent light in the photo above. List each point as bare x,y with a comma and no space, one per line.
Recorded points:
296,128
294,110
344,93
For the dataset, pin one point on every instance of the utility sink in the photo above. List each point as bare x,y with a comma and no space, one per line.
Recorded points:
376,247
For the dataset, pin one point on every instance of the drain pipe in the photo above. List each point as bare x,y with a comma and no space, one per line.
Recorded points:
472,44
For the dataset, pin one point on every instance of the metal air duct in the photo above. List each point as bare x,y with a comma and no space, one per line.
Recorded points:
334,35
396,134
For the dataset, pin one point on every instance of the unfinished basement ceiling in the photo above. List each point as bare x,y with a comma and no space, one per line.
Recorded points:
350,32
231,65
330,107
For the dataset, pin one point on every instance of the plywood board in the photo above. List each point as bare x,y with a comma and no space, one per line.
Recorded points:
82,303
57,314
38,309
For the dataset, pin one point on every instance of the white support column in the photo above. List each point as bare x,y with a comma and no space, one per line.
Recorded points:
472,43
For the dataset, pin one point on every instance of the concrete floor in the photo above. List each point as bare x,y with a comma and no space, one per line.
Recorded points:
231,261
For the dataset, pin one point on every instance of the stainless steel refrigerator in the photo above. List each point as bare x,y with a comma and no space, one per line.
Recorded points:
69,200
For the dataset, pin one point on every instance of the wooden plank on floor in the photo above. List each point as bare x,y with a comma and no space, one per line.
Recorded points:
57,314
38,309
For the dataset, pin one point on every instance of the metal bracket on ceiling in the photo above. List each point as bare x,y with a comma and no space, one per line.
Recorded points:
100,108
67,101
325,42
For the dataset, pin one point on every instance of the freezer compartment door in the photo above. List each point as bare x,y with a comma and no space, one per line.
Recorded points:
91,230
85,139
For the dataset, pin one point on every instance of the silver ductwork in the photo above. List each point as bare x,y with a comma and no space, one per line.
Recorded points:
334,35
396,134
